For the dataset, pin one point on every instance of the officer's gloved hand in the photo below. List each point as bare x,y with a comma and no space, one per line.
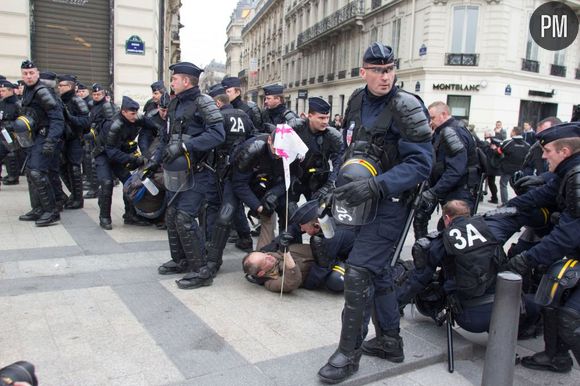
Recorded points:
48,148
526,183
269,203
519,264
152,165
136,162
269,128
173,151
357,192
284,239
429,200
453,304
324,190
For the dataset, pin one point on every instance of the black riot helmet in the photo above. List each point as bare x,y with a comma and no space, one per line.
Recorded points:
431,301
560,277
23,128
356,169
178,174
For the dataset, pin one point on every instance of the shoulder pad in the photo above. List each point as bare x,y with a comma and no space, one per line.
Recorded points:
46,98
208,109
251,152
453,145
151,113
290,115
114,131
573,192
410,117
334,138
81,105
356,93
108,110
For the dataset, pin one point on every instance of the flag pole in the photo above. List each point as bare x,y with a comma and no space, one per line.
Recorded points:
285,248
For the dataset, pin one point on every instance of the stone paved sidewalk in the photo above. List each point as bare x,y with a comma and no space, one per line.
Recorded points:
87,307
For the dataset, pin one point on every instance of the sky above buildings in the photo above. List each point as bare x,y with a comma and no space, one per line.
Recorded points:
204,34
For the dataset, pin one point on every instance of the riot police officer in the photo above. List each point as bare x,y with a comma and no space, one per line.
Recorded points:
275,111
101,111
116,154
76,118
456,173
41,105
9,149
233,87
238,128
391,139
534,164
157,90
83,92
325,146
196,127
561,149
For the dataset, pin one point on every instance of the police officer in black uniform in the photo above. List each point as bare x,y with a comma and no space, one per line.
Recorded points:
101,111
391,131
275,111
233,87
325,146
470,251
561,148
116,154
42,106
9,149
83,92
238,128
456,173
76,118
195,128
157,90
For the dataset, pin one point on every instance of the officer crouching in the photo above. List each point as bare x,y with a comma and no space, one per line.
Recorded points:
390,154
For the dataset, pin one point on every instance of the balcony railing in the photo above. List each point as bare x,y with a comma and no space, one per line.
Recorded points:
461,59
354,72
342,74
530,65
311,80
346,14
330,76
558,70
320,78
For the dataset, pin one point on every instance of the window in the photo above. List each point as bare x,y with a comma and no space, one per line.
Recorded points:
531,48
464,29
559,57
374,34
459,105
395,36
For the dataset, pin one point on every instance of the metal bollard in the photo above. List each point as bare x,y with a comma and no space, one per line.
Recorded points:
498,369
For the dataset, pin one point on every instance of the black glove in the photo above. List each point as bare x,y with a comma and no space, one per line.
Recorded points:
152,166
269,128
269,203
526,183
321,193
453,304
429,201
357,192
173,151
519,264
48,148
136,162
284,239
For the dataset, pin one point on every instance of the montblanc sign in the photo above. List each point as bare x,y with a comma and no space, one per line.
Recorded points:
455,87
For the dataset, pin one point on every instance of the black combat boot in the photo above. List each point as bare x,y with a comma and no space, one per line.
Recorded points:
386,345
50,214
245,243
192,243
93,183
555,357
75,201
60,198
105,200
345,360
12,169
36,211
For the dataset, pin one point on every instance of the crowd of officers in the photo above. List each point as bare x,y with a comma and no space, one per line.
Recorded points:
191,163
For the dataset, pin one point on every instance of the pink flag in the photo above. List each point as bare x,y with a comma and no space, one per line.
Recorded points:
288,146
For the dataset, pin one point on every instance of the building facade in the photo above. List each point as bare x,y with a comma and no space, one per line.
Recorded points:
475,55
234,44
121,44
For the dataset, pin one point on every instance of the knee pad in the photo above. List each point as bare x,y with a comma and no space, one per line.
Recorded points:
184,220
569,326
357,282
107,187
226,214
35,175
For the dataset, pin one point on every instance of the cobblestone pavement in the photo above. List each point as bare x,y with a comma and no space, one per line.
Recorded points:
87,307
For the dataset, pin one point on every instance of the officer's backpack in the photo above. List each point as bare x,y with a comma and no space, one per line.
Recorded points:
473,256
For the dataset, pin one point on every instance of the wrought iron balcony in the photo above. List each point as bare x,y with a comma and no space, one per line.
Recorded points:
558,70
530,65
578,73
320,78
376,3
330,76
354,72
342,74
311,80
452,59
304,81
347,14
